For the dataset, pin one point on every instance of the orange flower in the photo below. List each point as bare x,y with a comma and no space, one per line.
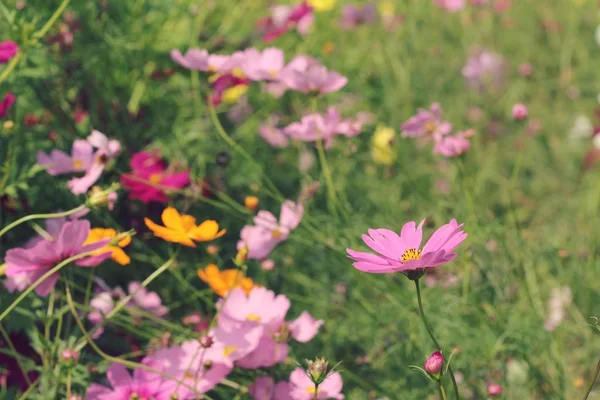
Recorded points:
117,253
251,202
181,228
223,281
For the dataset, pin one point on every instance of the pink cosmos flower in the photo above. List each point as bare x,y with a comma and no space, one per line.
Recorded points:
284,18
519,111
142,385
427,123
58,162
27,265
6,104
302,387
8,49
148,169
240,308
451,5
355,15
264,388
267,233
313,127
494,389
230,345
224,82
485,70
264,65
201,60
308,75
453,145
273,135
402,253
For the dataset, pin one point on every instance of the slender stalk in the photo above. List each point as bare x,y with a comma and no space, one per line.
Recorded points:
11,66
327,172
42,279
442,391
12,348
432,336
593,381
41,216
40,34
69,385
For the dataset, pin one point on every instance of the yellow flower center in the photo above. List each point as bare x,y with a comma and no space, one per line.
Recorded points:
228,350
276,233
189,375
272,73
77,164
253,317
430,127
312,390
155,178
410,254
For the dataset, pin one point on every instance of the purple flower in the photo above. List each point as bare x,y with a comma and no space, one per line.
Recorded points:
305,74
354,15
485,70
27,265
8,49
427,123
58,162
6,104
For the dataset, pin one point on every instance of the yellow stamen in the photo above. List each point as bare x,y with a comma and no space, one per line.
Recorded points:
228,350
155,178
77,164
410,254
253,317
276,234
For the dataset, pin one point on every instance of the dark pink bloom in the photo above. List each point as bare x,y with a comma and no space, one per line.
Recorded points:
224,82
519,111
402,253
26,265
451,5
494,389
302,388
8,49
147,170
453,145
6,104
427,123
355,15
434,363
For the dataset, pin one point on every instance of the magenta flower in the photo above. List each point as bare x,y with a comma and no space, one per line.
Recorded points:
6,104
485,70
302,388
434,363
307,75
355,15
519,111
264,65
453,145
142,385
58,162
284,18
8,49
148,170
402,253
494,389
27,265
451,5
427,123
272,134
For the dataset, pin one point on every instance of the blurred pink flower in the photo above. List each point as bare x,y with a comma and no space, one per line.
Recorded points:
427,123
285,18
264,65
8,49
58,162
230,345
525,69
560,299
201,60
308,75
519,111
239,308
402,253
355,15
485,70
434,363
494,389
451,5
267,264
262,388
272,134
26,265
453,145
147,170
302,388
6,104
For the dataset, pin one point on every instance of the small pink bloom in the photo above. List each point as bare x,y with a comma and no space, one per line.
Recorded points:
273,135
305,74
6,104
519,111
267,264
526,70
427,123
193,59
355,15
453,145
501,6
27,265
148,170
58,162
434,363
485,70
302,387
262,388
8,49
69,355
284,18
451,5
304,328
264,65
251,309
494,389
402,253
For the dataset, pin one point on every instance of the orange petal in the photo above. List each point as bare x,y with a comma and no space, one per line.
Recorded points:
172,219
125,241
207,230
168,234
189,222
119,255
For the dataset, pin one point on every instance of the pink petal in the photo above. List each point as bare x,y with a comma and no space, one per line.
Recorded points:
118,376
305,327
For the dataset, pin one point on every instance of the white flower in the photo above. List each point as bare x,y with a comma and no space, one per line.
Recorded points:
582,128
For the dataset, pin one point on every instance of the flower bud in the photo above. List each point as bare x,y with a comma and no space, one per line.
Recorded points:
317,370
212,249
267,264
519,111
251,202
8,125
242,256
434,363
206,341
100,198
494,389
70,356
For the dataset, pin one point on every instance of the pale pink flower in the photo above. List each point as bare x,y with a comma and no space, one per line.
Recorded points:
264,65
427,123
302,388
251,308
262,388
272,134
308,75
58,162
494,389
560,299
451,5
402,253
201,60
485,70
453,145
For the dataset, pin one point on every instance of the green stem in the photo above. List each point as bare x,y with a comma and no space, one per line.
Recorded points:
593,381
327,172
12,348
42,279
432,336
40,216
40,34
442,391
11,66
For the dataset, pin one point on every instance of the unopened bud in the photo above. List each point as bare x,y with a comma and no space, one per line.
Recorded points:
434,363
251,202
520,112
494,389
212,249
206,341
242,256
100,198
70,356
317,370
8,125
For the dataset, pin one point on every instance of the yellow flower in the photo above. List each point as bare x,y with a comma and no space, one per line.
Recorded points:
386,9
233,94
322,5
117,253
382,150
223,281
181,228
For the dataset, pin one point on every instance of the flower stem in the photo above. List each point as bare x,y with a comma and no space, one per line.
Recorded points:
432,336
42,279
593,381
40,34
442,391
41,216
11,66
